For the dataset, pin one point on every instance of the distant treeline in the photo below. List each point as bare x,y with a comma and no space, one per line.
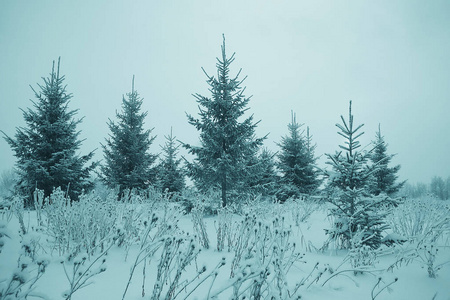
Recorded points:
438,188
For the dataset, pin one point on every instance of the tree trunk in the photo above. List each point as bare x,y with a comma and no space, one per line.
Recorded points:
224,190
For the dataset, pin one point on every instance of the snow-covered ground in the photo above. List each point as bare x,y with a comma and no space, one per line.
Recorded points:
266,234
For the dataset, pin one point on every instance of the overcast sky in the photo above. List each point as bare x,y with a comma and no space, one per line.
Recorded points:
391,58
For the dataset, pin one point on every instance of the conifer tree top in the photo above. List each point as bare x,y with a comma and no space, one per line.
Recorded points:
384,177
349,132
128,163
46,147
228,144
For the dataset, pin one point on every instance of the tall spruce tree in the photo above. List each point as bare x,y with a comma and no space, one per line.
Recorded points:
354,210
296,162
384,177
227,144
171,176
46,149
128,163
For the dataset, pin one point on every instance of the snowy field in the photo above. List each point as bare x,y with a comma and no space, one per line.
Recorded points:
102,249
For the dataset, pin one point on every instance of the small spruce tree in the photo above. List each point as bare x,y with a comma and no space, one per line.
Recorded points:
228,145
46,149
264,180
128,163
171,176
297,162
354,212
384,176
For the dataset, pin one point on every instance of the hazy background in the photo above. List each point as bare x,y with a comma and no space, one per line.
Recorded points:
390,57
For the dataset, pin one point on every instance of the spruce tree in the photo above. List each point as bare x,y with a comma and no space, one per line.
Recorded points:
312,173
384,177
171,176
354,211
227,143
296,162
46,149
264,179
351,171
128,163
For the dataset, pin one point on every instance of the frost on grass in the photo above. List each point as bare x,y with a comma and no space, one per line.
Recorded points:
259,253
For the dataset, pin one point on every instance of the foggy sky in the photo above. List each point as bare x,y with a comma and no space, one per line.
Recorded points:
391,58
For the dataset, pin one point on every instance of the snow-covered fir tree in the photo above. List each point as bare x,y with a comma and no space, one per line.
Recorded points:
385,177
46,149
354,210
312,172
170,173
350,167
296,162
128,162
227,143
264,180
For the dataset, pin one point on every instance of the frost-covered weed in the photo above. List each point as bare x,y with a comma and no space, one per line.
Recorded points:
264,272
177,253
151,232
81,226
210,200
380,285
130,220
168,216
133,216
22,282
31,243
152,239
150,243
4,234
201,207
162,238
243,238
197,215
362,257
16,209
6,209
79,270
421,220
264,253
38,201
379,288
260,206
426,254
424,225
301,209
224,227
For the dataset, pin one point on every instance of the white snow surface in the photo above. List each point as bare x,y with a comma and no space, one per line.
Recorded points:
413,281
